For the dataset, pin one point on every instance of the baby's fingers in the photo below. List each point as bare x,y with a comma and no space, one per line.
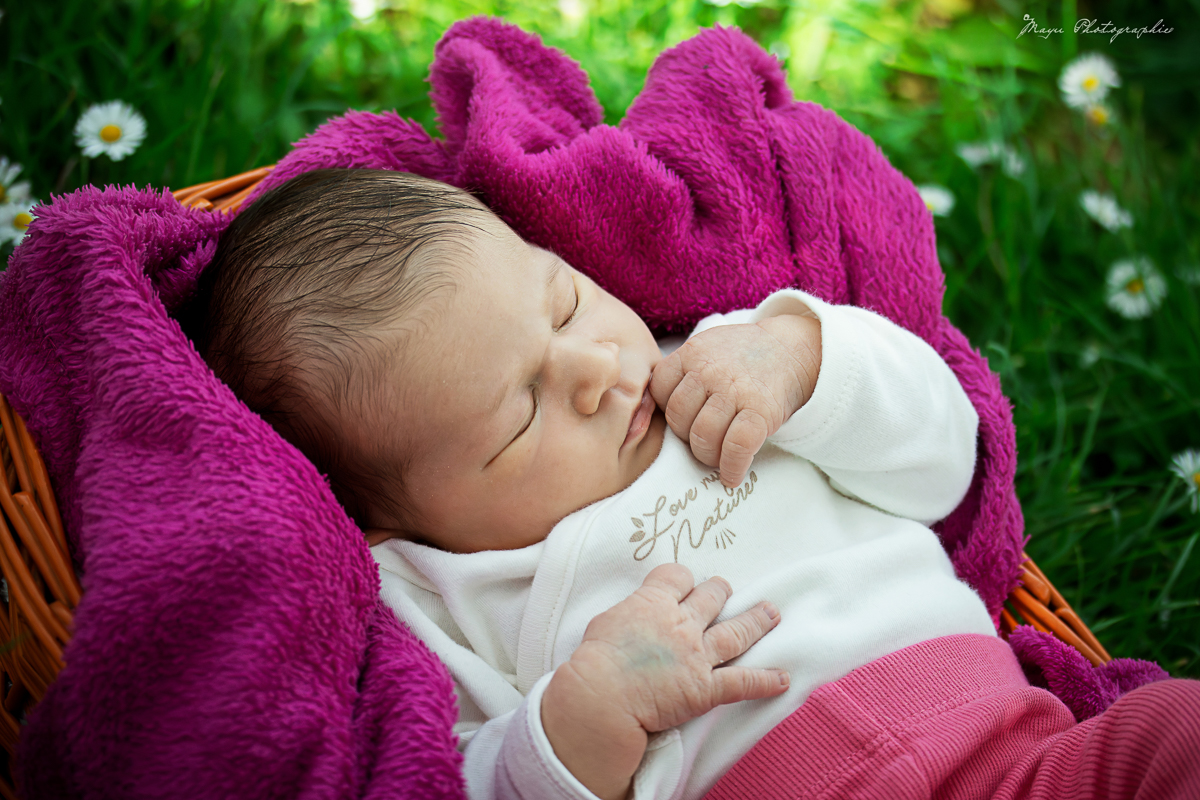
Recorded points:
731,638
666,376
675,579
734,684
745,437
707,433
682,403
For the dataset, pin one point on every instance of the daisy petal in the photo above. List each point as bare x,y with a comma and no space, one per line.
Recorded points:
1104,209
15,219
1186,466
113,129
1134,288
1086,80
938,199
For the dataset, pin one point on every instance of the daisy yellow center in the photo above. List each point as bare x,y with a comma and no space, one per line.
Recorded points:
3,194
110,133
1196,479
21,220
1091,82
1135,286
929,204
1098,115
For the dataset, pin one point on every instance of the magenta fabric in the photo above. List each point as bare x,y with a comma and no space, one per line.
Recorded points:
971,729
1085,689
230,642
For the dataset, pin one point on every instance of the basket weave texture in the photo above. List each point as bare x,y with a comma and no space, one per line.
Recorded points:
40,589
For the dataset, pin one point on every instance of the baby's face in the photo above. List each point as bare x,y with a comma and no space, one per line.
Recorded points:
527,395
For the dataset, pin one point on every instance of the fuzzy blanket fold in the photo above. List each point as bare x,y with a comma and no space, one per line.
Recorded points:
230,642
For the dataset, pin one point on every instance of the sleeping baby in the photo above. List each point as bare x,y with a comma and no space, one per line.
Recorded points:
635,567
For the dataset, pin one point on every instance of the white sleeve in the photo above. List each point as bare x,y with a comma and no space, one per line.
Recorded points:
888,422
506,753
510,758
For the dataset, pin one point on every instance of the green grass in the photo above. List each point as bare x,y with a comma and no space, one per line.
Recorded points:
226,85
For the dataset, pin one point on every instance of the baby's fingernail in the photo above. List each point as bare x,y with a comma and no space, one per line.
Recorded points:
784,679
771,610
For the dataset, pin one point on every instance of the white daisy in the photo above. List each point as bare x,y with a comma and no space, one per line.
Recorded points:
1187,466
1134,288
1086,80
1104,209
938,199
113,129
976,154
14,220
10,190
8,171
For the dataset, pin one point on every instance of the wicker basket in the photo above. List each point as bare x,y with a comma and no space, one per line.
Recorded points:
41,591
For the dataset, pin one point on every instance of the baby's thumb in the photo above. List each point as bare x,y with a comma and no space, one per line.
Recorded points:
665,376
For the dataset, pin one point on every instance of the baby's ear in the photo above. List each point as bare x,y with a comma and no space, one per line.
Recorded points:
377,535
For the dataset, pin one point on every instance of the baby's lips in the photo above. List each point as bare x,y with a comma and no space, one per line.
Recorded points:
639,421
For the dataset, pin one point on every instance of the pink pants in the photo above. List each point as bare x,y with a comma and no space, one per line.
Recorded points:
954,718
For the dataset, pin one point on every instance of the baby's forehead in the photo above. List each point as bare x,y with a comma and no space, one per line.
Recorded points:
482,295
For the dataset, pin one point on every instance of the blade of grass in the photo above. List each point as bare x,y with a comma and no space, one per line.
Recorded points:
1128,541
201,124
1089,435
1161,602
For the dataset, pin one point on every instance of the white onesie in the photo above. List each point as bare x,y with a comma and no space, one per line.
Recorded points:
854,579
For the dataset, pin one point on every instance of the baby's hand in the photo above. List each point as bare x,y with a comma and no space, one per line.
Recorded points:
647,664
727,389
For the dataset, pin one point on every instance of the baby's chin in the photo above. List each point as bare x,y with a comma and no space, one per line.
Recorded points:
647,450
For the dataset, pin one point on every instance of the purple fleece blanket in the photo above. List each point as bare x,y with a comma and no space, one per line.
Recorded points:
230,642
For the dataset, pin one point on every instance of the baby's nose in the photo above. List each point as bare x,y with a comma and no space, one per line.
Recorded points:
595,367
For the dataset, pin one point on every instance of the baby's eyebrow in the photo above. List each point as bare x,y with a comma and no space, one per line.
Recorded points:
556,265
553,267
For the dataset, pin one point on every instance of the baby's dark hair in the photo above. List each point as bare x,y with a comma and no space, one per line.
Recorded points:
290,312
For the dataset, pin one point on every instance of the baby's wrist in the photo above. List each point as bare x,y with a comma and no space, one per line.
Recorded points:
592,737
801,338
